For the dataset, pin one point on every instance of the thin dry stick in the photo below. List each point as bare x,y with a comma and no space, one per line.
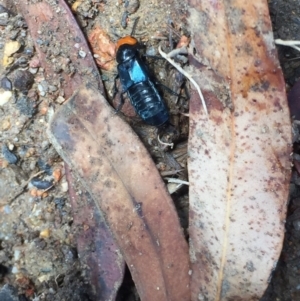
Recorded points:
21,189
165,143
177,181
288,43
172,62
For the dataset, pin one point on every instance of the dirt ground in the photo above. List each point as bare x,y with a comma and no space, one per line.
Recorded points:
36,218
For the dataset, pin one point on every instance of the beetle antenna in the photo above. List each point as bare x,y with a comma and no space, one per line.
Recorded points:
134,26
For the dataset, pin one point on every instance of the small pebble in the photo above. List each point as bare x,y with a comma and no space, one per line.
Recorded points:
22,151
43,110
40,243
82,53
15,270
28,51
25,106
22,61
44,166
45,85
33,70
60,99
11,146
23,80
10,48
3,9
41,184
17,255
9,293
59,202
23,33
10,157
56,175
52,88
5,96
14,34
45,233
5,125
151,51
70,253
6,84
7,209
33,95
39,41
132,6
41,90
45,144
124,19
64,187
32,165
3,19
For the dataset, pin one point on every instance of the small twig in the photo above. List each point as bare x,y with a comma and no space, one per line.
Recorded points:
21,189
177,181
172,62
169,172
159,38
165,143
288,43
55,279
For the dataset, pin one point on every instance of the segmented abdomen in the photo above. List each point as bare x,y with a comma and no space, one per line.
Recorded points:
148,103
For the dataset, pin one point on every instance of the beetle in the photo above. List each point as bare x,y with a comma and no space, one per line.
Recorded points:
136,82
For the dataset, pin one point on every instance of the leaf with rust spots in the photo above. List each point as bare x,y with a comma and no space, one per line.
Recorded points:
95,242
59,51
239,156
96,247
121,177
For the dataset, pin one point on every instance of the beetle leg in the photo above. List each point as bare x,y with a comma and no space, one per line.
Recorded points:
115,88
120,105
186,92
173,92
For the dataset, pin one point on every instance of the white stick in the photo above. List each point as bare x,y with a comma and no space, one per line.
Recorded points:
177,181
288,43
172,62
165,143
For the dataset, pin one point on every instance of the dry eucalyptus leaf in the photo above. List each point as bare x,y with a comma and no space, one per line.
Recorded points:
121,177
239,156
95,244
58,54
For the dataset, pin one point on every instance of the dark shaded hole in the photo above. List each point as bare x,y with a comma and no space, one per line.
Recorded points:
3,270
127,291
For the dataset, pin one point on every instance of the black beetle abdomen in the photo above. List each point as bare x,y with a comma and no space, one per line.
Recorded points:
148,103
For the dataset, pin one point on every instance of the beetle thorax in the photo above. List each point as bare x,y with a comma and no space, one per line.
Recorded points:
126,52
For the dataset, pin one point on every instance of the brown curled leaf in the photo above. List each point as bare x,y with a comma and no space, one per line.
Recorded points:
103,48
68,69
96,247
121,177
239,156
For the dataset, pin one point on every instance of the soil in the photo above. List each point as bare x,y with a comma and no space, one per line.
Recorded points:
36,213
